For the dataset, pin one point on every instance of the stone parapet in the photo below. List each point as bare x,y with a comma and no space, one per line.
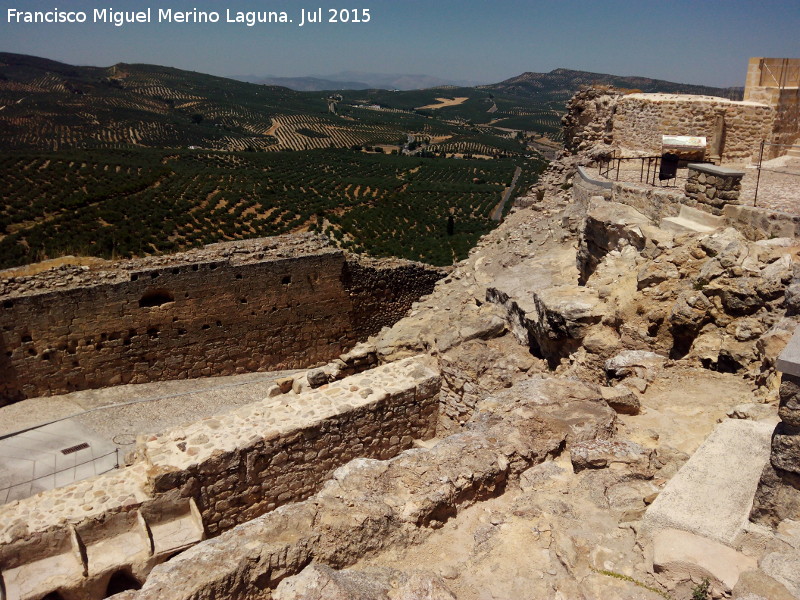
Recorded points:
266,454
713,186
205,478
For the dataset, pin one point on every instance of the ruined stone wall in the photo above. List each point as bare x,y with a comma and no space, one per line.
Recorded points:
641,119
585,187
277,303
588,119
383,290
758,223
207,477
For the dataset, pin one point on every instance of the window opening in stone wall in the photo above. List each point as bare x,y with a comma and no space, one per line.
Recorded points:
287,279
121,581
156,298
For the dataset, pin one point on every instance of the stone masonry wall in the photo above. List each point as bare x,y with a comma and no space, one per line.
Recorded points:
641,119
276,303
713,186
382,290
207,477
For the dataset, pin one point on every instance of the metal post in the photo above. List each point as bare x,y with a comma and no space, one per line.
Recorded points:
619,162
758,176
641,171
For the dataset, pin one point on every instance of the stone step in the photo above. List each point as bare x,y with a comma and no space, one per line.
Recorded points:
681,225
793,152
693,220
730,460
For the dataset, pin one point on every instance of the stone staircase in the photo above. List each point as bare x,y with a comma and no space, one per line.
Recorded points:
693,220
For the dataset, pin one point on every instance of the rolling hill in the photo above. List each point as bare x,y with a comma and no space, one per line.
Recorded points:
138,159
560,84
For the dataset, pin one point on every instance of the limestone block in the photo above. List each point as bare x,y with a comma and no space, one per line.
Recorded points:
636,363
621,399
757,584
732,458
599,454
680,555
784,568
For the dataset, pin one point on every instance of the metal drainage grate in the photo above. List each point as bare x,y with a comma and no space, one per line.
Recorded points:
76,448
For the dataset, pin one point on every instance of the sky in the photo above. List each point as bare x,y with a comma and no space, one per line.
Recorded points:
484,41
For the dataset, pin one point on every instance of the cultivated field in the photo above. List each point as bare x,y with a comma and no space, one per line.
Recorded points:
135,202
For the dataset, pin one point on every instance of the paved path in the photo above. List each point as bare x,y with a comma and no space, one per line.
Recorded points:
35,432
497,214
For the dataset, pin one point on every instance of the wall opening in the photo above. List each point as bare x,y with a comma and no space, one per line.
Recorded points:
121,581
156,298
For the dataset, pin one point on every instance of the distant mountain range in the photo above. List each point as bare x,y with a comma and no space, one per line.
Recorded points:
356,80
51,105
561,84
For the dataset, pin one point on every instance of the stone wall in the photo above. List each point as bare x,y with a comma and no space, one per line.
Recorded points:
758,223
382,290
714,187
588,119
584,187
641,119
275,303
371,506
208,477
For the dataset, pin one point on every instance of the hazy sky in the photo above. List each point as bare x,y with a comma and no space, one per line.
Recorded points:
703,42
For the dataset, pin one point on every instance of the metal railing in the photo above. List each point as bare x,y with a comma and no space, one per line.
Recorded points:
649,167
760,166
6,491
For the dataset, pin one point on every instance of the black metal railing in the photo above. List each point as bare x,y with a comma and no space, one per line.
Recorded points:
649,167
